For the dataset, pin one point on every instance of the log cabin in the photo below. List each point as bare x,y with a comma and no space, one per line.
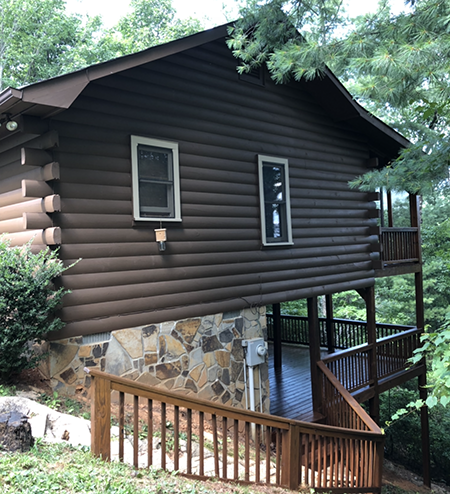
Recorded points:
194,197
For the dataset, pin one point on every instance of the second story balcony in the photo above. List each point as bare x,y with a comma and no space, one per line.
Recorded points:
400,247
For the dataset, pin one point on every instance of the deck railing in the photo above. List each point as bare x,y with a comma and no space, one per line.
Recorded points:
202,439
352,367
399,245
364,458
347,333
394,352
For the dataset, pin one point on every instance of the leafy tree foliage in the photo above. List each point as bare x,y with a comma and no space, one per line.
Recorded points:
28,301
39,40
36,40
396,65
152,22
403,437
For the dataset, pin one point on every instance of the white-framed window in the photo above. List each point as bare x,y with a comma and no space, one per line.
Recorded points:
275,200
156,179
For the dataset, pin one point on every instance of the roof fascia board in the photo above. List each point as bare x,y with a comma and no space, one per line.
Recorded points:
363,113
8,98
155,53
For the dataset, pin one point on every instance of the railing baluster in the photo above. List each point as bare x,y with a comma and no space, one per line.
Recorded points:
247,451
224,447
136,432
216,445
268,455
320,455
163,435
236,449
121,424
176,437
189,441
278,457
150,433
257,453
201,420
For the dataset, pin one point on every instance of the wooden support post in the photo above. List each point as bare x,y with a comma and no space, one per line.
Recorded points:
420,311
389,208
314,353
290,458
277,348
369,296
378,470
331,337
101,418
414,211
382,208
425,430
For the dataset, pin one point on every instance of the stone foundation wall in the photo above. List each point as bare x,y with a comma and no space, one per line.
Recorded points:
202,356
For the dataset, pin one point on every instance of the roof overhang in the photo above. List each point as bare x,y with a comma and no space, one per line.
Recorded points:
51,96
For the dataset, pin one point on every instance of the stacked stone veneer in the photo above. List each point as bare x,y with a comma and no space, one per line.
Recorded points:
202,356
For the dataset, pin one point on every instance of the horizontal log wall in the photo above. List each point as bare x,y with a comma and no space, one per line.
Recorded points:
27,175
214,260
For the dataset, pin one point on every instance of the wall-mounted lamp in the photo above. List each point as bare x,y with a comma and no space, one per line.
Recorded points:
11,125
161,238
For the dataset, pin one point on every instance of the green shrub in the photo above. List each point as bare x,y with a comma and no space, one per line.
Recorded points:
28,301
403,437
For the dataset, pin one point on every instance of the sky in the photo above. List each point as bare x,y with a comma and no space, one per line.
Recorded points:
211,12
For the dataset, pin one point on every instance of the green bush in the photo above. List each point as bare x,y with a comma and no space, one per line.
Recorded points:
403,437
28,301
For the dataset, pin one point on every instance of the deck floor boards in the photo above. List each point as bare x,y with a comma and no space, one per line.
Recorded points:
290,387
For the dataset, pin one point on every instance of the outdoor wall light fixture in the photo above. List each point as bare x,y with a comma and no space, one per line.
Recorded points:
161,238
11,125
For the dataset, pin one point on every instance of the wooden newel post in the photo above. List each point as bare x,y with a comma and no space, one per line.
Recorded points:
378,469
101,417
290,458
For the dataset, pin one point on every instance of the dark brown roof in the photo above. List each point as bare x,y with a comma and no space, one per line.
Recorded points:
53,95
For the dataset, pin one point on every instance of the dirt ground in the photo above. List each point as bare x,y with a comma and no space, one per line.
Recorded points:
393,475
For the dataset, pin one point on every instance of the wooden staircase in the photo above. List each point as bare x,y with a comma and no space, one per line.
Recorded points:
201,439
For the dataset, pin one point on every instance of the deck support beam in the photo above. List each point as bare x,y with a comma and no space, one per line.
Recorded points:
331,338
425,429
368,294
277,347
314,353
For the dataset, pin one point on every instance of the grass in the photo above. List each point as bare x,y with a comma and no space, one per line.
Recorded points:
59,468
7,390
49,468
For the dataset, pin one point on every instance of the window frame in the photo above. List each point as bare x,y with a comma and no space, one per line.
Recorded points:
271,241
170,146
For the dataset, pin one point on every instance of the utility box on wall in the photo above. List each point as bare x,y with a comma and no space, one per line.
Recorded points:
256,351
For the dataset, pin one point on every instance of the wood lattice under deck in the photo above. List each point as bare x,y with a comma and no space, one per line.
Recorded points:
290,387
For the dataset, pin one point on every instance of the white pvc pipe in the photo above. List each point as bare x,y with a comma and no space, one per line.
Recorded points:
260,390
245,383
251,382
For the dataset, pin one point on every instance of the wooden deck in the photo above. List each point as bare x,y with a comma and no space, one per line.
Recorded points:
290,387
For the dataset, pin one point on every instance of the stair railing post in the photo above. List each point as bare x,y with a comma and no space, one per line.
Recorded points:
100,417
290,458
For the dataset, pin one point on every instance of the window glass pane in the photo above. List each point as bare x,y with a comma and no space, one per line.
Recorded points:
275,215
273,179
153,195
154,163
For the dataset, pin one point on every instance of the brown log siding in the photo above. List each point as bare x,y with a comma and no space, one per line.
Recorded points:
214,260
27,172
